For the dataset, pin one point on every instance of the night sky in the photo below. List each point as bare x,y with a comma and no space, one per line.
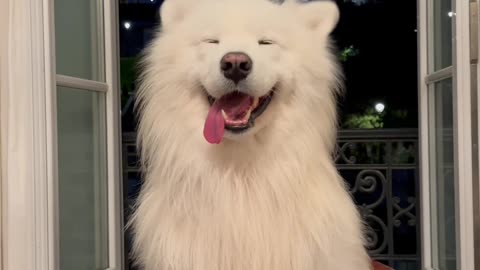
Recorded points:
380,67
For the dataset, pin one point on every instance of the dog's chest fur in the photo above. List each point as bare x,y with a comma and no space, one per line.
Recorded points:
279,218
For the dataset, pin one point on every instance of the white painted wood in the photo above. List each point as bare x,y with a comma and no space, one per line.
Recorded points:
40,146
3,90
28,123
476,6
100,163
439,75
423,121
51,121
113,136
77,83
463,136
24,140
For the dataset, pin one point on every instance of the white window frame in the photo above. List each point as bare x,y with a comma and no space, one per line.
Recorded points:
464,154
29,152
460,72
475,50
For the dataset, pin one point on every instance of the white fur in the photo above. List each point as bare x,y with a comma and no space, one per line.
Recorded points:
270,199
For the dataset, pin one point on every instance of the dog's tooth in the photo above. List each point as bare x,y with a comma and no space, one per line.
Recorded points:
247,115
255,102
224,114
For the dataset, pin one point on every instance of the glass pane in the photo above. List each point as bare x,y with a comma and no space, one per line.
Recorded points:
82,179
442,34
79,38
442,182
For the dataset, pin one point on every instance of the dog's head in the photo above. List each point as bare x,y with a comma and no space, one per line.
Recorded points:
235,69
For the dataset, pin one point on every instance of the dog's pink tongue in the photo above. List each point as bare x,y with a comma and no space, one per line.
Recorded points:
214,125
234,105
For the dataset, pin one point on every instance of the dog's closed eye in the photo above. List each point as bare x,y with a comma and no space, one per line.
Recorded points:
265,42
211,41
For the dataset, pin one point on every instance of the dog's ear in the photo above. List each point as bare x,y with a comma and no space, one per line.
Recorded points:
319,16
173,11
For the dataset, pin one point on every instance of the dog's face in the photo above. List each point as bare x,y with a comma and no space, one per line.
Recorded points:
242,63
240,60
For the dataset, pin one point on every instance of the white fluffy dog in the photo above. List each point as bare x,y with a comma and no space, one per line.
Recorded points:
237,128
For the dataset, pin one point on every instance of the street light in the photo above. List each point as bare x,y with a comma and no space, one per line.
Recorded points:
379,107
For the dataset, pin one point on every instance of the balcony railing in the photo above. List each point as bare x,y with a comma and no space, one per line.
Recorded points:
381,169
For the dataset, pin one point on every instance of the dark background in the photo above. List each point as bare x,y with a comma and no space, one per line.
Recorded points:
377,46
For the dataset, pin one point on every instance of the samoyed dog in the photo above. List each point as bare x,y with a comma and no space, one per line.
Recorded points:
237,127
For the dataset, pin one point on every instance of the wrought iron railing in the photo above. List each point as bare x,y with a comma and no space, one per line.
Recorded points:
381,169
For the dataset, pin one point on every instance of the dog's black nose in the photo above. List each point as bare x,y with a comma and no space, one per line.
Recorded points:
236,66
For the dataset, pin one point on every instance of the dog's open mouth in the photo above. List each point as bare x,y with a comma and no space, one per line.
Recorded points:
235,112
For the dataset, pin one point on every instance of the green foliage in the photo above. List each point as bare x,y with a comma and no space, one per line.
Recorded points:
368,120
348,52
399,114
128,76
371,119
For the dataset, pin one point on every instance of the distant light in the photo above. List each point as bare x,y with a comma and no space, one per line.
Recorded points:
127,25
379,107
415,30
450,14
152,1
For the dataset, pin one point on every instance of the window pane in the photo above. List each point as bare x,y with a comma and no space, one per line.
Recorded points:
442,179
442,34
82,179
79,39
